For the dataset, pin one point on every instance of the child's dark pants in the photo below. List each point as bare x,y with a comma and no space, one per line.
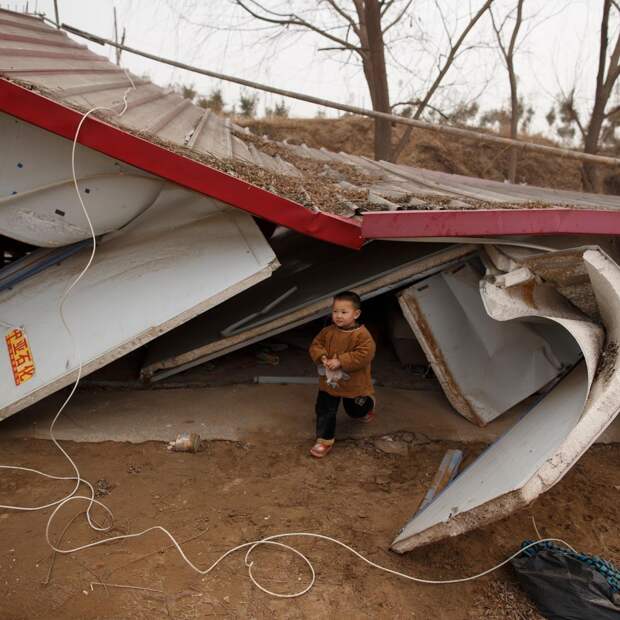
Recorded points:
327,407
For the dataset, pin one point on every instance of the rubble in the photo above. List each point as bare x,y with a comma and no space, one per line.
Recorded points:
172,191
542,446
391,445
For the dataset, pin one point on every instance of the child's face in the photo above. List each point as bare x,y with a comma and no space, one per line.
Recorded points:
344,313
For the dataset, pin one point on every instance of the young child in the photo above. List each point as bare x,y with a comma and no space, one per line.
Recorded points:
343,352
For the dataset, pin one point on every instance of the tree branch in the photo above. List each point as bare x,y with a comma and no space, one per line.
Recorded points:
416,102
602,57
345,15
442,73
613,111
515,31
294,20
498,35
385,6
569,101
444,23
396,19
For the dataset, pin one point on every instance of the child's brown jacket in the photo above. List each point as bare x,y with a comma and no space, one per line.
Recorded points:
355,349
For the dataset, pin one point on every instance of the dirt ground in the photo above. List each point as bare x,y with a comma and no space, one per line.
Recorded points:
235,492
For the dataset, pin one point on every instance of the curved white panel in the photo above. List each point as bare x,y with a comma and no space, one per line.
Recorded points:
485,367
52,216
542,447
38,204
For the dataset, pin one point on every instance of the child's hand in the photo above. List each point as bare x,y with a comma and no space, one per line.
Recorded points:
332,364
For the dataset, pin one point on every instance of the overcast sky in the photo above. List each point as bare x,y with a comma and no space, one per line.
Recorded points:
559,50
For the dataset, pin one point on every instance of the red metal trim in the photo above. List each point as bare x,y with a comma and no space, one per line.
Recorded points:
39,41
50,115
17,52
489,223
68,71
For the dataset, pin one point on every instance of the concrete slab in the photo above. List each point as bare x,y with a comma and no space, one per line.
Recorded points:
246,413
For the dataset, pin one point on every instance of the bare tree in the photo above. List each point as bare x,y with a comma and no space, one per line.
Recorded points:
600,116
359,29
379,34
606,77
421,104
508,57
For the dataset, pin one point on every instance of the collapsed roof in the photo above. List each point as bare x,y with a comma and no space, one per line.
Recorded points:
160,183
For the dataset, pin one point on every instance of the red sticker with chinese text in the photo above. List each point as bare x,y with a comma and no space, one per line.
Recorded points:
20,355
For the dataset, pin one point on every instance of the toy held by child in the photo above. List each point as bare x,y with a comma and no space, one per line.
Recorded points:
343,353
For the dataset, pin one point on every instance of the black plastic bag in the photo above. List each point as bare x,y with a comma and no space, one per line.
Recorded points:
566,585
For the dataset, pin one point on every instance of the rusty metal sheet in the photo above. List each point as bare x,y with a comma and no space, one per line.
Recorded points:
485,367
543,446
300,291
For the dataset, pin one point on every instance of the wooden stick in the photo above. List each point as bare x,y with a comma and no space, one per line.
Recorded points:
446,129
445,474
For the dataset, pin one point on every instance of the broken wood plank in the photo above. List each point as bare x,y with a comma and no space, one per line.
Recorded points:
448,469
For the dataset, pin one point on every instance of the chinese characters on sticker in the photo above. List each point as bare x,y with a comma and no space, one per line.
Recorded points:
20,355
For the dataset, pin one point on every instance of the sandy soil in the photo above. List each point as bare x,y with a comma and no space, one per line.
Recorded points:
233,492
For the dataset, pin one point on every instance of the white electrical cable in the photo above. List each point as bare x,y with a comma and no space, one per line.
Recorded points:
90,499
273,540
77,478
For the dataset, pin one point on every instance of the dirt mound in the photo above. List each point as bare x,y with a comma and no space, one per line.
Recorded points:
429,150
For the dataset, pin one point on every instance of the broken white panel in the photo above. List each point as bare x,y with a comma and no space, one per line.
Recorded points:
541,447
52,216
183,256
485,367
566,270
38,201
299,292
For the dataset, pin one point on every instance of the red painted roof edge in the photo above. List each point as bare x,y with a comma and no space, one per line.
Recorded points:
34,108
489,223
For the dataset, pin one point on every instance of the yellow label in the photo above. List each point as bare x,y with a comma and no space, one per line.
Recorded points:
20,355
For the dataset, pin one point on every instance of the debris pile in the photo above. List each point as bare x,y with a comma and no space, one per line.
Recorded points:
183,266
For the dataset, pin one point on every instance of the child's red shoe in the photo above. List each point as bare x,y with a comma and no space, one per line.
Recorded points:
320,450
369,417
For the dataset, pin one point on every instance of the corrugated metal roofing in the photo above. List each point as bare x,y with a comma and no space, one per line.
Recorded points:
33,52
47,60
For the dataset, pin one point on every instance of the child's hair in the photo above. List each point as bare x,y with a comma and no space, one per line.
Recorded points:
354,298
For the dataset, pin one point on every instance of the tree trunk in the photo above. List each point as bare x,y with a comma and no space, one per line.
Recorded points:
604,86
514,155
514,97
376,74
590,174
